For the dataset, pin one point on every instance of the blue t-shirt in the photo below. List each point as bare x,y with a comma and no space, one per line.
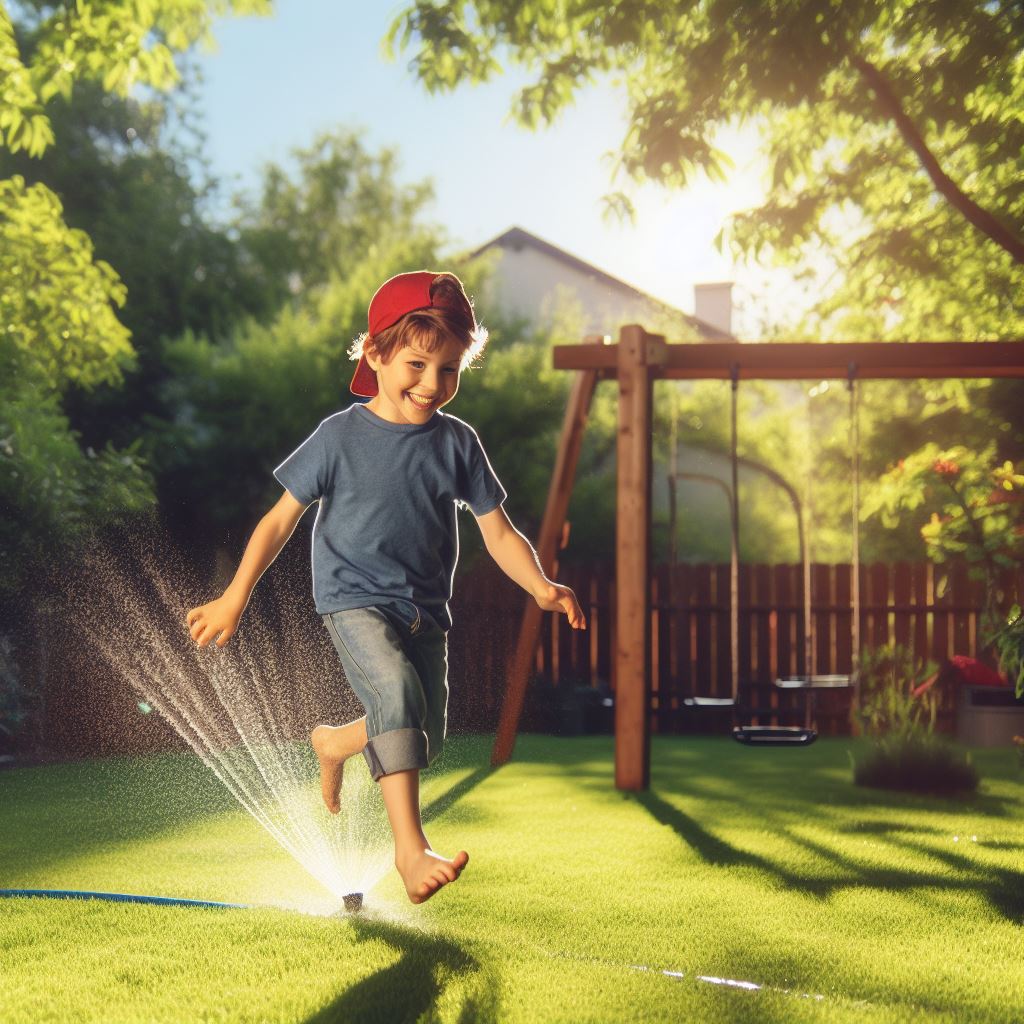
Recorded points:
386,528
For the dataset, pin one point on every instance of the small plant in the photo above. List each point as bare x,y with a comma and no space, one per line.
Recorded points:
888,708
923,764
1009,644
906,753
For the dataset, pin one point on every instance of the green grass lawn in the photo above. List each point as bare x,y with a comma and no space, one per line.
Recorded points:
580,903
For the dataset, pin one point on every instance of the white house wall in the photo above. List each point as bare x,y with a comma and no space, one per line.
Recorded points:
529,283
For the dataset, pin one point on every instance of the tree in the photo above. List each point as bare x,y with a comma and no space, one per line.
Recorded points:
123,174
893,130
58,301
343,207
51,490
981,517
319,242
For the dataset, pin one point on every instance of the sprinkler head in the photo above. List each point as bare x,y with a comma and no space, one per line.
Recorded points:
353,902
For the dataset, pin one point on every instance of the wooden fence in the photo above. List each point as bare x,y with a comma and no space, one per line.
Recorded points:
932,609
85,708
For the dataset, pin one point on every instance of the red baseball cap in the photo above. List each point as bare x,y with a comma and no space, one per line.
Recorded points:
401,294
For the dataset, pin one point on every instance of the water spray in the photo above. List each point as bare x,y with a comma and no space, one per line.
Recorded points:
233,711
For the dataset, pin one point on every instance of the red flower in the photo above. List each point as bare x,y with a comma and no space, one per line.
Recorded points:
946,468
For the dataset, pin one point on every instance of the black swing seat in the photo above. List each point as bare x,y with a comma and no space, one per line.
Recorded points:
773,736
757,735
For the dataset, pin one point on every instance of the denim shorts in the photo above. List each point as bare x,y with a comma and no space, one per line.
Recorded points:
399,671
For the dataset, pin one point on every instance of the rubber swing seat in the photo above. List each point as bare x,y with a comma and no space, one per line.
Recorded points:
773,736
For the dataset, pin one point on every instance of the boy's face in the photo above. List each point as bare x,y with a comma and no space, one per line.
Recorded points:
412,374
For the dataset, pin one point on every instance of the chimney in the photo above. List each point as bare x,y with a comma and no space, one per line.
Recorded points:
712,303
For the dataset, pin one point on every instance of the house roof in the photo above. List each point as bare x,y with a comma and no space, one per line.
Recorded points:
517,238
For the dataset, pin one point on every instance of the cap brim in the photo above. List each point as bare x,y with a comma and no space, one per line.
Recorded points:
364,380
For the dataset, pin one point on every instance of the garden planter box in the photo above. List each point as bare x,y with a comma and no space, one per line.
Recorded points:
988,716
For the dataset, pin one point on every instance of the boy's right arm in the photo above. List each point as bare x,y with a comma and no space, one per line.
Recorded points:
221,615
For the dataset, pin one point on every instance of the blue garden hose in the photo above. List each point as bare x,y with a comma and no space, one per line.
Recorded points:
119,897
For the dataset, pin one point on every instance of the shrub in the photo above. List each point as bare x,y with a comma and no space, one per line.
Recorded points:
905,753
920,764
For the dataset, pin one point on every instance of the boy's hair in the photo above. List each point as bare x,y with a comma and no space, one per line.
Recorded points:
449,318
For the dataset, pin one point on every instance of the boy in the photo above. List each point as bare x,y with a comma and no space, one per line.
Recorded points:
388,475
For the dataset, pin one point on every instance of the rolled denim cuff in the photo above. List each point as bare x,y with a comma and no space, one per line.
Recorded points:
397,750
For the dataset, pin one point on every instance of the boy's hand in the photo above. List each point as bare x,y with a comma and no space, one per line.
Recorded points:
554,597
219,616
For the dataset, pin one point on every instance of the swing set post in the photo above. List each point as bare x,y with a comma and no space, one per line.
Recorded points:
639,356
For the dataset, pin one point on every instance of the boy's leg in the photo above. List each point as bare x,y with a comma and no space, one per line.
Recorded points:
334,745
422,870
430,655
371,651
375,651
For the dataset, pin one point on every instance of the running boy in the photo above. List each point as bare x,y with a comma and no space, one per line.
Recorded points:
388,475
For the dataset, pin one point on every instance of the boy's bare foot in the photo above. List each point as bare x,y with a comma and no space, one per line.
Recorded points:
334,745
424,872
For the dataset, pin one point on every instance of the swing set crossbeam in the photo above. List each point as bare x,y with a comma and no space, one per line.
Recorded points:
874,360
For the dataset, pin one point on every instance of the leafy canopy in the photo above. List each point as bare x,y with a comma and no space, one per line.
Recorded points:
893,131
119,44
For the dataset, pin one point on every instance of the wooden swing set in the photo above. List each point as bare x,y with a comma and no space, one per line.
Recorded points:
636,361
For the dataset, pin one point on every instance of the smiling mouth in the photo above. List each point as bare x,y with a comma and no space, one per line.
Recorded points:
419,401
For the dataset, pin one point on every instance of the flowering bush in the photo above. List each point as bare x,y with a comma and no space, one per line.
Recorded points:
976,514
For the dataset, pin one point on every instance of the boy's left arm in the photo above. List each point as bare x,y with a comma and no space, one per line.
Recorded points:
517,559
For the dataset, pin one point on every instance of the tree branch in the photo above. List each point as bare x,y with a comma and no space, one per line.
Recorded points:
984,221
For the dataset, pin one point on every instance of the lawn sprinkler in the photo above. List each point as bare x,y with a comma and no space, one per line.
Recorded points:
353,902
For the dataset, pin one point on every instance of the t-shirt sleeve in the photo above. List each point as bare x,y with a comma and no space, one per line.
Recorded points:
482,490
304,472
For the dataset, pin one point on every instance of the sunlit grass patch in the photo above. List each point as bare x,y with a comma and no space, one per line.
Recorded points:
746,884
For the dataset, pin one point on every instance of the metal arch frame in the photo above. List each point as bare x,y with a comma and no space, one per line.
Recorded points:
786,735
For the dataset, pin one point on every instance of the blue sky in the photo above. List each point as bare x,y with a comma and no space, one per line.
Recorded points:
273,83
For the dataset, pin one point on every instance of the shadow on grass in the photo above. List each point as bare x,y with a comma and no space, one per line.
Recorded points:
53,813
438,806
409,989
1002,888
